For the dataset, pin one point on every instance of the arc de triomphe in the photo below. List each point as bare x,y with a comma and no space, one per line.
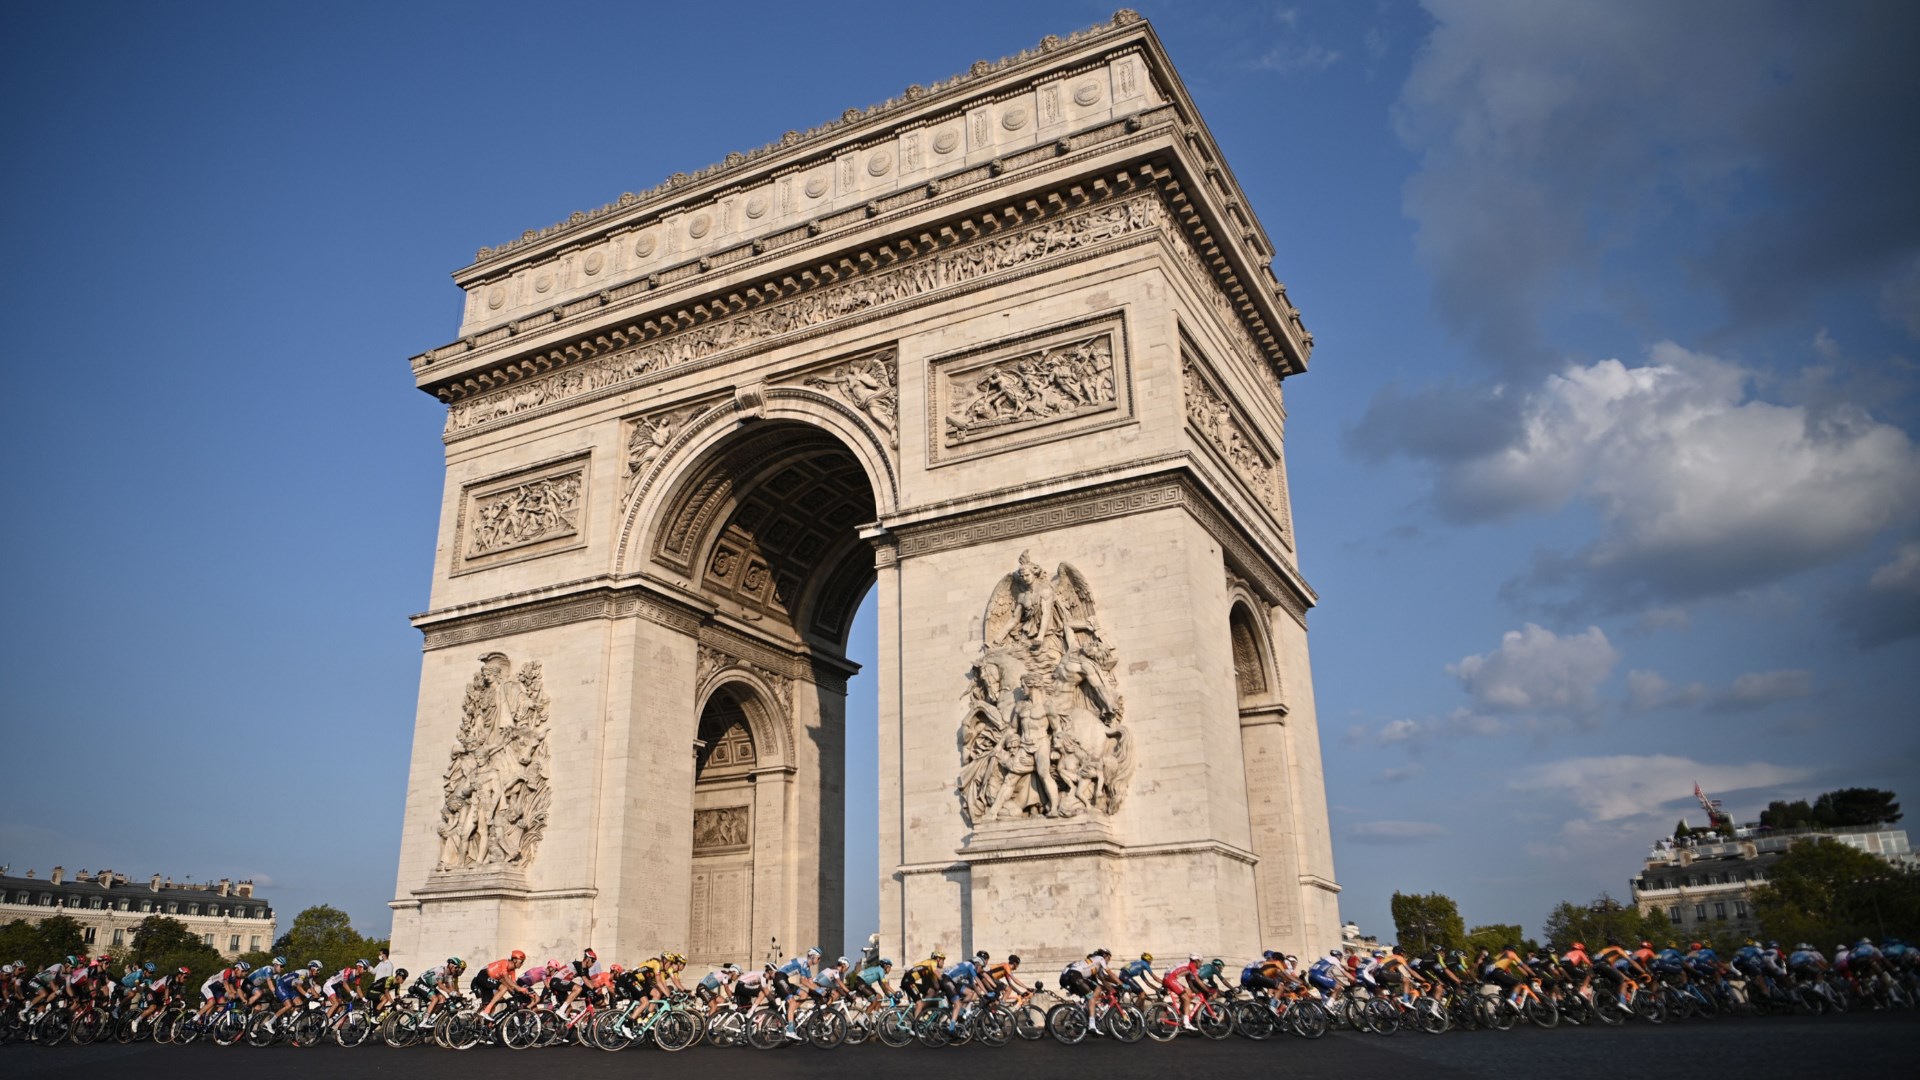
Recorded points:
1007,348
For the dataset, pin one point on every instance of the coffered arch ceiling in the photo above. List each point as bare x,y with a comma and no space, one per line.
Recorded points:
767,527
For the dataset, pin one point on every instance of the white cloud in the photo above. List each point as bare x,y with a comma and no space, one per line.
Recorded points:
1537,671
1649,690
1401,773
1394,832
1624,786
1700,488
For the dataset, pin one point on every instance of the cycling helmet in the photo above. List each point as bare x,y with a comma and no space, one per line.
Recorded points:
71,960
768,968
981,955
362,964
184,971
1269,955
1578,947
1013,961
1217,962
936,955
454,961
149,967
243,967
1693,946
842,962
1646,944
813,952
1193,958
1773,944
554,965
1147,957
591,955
400,973
518,956
1335,953
730,966
279,961
618,970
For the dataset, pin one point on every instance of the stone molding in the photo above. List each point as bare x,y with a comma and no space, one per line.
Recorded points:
1106,849
996,396
1235,440
991,245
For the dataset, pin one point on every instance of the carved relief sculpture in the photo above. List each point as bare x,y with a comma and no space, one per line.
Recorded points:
1209,413
1051,384
720,828
543,509
648,439
870,384
496,784
1044,733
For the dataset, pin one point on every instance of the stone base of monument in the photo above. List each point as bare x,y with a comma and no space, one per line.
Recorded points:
483,913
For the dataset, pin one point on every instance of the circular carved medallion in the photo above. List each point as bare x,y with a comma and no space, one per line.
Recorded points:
700,226
644,246
1014,118
543,283
594,262
1086,93
946,141
879,162
496,297
757,206
816,185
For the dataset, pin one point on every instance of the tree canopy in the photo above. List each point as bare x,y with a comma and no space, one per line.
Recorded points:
1605,919
1424,923
41,943
326,934
1837,808
170,945
1823,891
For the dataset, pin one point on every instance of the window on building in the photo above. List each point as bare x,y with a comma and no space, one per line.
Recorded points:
21,898
1699,913
46,899
253,943
1674,914
119,938
173,907
1720,911
1692,880
86,935
207,939
98,903
146,905
193,909
125,904
1740,909
233,943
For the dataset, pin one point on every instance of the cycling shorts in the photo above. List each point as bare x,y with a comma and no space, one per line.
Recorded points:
1259,982
1075,983
1326,983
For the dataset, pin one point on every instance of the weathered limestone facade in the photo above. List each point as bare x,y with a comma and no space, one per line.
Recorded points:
1006,348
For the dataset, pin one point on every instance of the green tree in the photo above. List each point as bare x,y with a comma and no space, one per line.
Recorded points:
1604,919
1495,937
326,934
1781,814
1856,806
1681,831
1823,891
169,945
1422,923
41,943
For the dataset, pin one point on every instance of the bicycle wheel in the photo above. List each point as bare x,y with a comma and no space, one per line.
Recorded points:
1431,1018
307,1028
676,1030
82,1032
1383,1016
895,1027
228,1027
1310,1019
994,1026
1067,1022
726,1028
519,1029
464,1031
1030,1022
1214,1020
766,1028
1541,1013
610,1030
1163,1022
1649,1007
1254,1020
186,1028
1502,1015
931,1028
1125,1024
825,1028
52,1028
353,1029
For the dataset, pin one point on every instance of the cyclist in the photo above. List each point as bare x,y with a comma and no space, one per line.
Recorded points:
386,990
1082,977
1137,975
996,978
160,991
345,986
871,978
716,986
495,981
1578,967
1328,974
751,987
957,983
226,981
1263,975
922,982
1182,983
1507,970
46,985
293,988
831,983
793,978
259,985
436,984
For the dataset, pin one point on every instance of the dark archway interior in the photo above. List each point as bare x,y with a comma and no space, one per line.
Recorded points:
769,531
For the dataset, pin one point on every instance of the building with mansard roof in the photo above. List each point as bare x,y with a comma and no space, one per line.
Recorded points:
110,907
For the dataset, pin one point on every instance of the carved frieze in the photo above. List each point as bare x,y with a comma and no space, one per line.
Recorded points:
1011,248
869,383
1223,428
1036,387
527,513
710,661
1043,733
496,783
720,828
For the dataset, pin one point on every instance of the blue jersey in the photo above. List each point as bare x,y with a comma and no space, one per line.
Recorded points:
796,966
1803,957
261,978
1321,969
874,975
963,972
289,983
1749,955
1137,969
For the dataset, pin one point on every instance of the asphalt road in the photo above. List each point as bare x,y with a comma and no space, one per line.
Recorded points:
1867,1045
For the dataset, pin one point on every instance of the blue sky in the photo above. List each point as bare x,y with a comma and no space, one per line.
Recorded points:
1604,469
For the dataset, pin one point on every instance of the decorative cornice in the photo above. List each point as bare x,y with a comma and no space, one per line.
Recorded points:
914,96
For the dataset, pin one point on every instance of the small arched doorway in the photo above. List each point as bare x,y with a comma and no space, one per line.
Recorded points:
721,904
